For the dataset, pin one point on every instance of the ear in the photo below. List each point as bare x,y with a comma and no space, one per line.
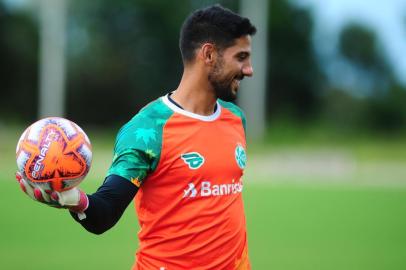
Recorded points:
208,53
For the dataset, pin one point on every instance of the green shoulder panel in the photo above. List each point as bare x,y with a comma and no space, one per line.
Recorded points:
235,110
138,144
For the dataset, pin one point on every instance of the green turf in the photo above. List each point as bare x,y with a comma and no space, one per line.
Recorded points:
34,236
290,226
326,228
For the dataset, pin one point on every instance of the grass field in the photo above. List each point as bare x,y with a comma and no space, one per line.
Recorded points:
293,222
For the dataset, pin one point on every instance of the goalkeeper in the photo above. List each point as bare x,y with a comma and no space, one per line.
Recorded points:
181,158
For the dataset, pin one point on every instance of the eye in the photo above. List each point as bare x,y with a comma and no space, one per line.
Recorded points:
242,56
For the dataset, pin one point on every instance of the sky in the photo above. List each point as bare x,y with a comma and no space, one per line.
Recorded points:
387,18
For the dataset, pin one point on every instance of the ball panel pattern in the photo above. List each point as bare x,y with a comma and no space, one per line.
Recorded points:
54,153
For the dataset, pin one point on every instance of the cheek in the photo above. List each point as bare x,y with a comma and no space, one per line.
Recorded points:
231,72
224,76
228,77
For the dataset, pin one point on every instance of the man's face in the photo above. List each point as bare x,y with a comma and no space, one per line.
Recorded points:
231,66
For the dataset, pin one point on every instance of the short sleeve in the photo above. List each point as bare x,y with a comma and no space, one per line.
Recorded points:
131,164
138,144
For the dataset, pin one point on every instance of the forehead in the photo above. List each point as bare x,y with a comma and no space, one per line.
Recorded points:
242,44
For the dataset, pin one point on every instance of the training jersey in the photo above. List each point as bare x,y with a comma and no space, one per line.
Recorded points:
189,170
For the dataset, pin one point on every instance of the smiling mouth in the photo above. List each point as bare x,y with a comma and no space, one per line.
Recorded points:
238,79
236,84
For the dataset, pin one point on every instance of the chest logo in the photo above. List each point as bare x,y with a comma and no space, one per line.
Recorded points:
240,156
193,159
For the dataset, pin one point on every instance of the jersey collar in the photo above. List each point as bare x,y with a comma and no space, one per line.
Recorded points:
205,118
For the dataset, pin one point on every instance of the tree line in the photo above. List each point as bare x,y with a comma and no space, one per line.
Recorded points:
123,54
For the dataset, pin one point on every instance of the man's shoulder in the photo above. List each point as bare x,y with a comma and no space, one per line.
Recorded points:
156,109
152,114
233,108
151,117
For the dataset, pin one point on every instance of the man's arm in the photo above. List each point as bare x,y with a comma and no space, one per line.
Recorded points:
107,204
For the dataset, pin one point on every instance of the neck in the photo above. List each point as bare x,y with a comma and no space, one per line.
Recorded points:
195,93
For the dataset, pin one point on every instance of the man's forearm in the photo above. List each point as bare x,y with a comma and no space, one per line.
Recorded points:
107,204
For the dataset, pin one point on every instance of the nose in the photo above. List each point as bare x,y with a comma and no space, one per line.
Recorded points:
248,70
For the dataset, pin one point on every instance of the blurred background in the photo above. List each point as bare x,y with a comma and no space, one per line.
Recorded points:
325,186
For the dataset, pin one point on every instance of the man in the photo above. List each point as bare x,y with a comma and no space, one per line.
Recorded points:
183,156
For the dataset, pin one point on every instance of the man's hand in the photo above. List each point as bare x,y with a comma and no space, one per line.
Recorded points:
74,199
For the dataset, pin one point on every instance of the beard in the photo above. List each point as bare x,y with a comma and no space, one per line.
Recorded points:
222,83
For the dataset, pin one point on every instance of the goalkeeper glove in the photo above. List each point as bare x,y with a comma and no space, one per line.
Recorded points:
73,199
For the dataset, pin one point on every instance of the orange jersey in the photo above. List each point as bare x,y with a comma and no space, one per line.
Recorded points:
189,204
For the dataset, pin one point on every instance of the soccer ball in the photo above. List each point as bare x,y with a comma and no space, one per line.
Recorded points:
54,153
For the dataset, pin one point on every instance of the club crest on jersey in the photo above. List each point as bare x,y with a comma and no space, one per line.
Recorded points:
193,159
240,156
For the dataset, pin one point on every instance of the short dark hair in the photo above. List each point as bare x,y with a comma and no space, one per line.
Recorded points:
214,24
